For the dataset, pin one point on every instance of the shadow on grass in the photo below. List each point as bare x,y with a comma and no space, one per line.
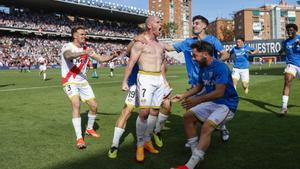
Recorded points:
265,105
257,140
5,85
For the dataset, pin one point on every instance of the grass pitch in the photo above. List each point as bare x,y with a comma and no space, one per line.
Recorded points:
36,130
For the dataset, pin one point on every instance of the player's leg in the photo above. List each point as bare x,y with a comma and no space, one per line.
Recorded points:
119,129
290,74
72,92
220,114
235,77
163,115
245,80
87,95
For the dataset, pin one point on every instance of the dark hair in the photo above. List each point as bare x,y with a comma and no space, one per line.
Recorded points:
75,29
202,18
291,25
203,46
240,38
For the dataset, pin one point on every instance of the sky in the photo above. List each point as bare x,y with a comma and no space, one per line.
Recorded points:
211,8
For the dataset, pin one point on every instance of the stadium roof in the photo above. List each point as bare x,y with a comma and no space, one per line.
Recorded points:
77,9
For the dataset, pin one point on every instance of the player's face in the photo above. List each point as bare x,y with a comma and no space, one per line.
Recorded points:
198,26
239,43
291,32
156,26
80,36
199,57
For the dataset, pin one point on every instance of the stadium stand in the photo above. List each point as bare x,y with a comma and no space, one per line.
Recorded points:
28,33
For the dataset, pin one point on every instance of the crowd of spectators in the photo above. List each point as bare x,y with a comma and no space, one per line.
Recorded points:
15,50
29,20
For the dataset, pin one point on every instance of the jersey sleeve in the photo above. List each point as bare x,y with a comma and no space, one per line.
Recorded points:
179,47
249,48
218,45
65,48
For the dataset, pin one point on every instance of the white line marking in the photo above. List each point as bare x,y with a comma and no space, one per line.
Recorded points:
56,86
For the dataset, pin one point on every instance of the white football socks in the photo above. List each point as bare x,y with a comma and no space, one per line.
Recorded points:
117,135
151,121
285,100
195,158
77,126
141,127
91,121
161,120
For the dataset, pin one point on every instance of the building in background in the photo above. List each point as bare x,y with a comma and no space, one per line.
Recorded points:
175,14
266,22
222,28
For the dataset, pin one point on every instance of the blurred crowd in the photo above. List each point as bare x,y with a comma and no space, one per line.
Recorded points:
29,20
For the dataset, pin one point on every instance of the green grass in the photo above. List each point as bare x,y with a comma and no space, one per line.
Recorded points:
36,130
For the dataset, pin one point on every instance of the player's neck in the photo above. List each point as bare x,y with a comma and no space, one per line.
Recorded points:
150,36
201,35
77,44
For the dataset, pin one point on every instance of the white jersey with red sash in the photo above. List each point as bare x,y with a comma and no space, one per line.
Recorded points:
73,71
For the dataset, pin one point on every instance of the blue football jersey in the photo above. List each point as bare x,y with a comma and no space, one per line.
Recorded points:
192,66
292,50
219,73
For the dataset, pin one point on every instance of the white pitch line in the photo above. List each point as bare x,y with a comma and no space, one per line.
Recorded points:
56,86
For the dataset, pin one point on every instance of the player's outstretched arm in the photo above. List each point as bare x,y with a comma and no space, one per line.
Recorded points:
134,56
104,58
191,92
169,47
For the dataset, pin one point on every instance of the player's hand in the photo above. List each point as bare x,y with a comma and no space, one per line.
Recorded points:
89,51
190,102
125,86
116,54
177,98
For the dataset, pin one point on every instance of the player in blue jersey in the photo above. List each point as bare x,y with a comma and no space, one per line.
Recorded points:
200,25
240,54
216,107
94,68
291,47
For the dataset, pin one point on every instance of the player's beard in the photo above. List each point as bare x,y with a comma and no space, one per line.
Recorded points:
202,62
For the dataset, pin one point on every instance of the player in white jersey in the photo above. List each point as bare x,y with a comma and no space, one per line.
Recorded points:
75,56
43,67
111,67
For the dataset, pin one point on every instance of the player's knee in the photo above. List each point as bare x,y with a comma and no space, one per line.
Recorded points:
207,128
166,107
126,112
188,116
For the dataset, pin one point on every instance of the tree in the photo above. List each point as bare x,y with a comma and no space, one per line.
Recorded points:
227,32
169,29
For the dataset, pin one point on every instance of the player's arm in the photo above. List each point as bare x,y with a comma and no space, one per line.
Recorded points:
73,55
189,93
134,56
102,58
169,47
252,51
224,55
217,93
